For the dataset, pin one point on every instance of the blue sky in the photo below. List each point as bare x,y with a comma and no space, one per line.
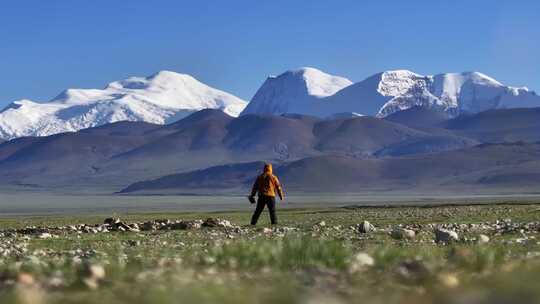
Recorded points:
47,46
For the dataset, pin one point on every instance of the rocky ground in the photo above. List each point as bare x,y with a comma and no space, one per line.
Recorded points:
448,254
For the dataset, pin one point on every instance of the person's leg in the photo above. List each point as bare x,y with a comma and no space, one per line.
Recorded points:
271,203
258,210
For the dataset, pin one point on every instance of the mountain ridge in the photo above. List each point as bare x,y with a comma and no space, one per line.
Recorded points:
391,91
166,97
160,98
115,155
491,168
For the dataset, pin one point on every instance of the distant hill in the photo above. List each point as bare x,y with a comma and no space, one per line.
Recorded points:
497,168
419,117
111,157
499,125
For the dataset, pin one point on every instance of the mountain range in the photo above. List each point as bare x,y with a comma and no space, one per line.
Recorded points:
209,151
166,97
488,168
161,98
312,92
170,133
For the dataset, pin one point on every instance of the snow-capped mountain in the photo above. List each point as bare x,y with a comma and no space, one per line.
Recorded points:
468,92
161,98
295,91
385,93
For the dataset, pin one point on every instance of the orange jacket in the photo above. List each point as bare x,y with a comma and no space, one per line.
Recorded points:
267,184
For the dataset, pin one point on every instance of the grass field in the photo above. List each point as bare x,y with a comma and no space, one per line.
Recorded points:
312,256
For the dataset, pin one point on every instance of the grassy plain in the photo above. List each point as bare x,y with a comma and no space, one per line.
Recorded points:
312,256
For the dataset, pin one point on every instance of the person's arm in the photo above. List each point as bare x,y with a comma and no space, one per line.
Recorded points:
255,187
278,187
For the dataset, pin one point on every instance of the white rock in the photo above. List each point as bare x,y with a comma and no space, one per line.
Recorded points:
45,235
361,261
96,271
445,236
482,239
266,230
366,227
401,233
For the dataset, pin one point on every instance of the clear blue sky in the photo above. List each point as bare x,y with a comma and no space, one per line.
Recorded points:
47,46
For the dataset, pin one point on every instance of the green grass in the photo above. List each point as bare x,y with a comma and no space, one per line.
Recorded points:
310,264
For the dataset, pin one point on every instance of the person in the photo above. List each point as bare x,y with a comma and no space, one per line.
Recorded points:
266,186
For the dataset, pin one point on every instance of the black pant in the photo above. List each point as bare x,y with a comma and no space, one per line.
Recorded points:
268,201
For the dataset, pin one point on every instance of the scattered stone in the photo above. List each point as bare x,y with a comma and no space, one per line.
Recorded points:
445,236
217,222
266,230
285,229
122,226
360,262
399,233
45,235
483,239
149,226
366,227
111,221
134,227
187,225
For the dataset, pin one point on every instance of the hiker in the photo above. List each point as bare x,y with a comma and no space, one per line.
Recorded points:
266,185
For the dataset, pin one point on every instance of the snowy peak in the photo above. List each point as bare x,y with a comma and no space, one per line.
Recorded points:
294,91
398,82
312,92
160,98
318,83
162,79
476,77
167,96
455,93
165,89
